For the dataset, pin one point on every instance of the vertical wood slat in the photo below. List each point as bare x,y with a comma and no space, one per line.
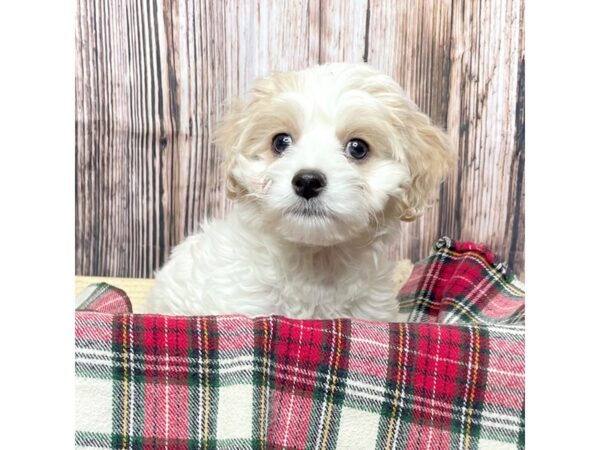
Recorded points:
152,79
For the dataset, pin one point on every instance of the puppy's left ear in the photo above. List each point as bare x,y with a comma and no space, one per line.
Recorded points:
430,157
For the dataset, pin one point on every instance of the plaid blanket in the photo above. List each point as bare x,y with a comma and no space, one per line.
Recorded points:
452,378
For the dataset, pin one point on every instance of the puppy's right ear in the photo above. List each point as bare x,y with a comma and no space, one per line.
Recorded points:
229,135
241,132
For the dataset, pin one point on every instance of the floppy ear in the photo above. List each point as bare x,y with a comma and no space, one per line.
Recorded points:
233,133
430,157
228,136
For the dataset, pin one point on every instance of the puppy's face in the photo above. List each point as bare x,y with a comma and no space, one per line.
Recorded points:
331,153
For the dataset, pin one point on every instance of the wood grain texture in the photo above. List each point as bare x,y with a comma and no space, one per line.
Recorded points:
153,77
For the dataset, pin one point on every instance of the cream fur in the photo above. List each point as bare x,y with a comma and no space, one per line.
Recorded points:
265,257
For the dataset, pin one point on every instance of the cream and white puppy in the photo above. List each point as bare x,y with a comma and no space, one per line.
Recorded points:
323,164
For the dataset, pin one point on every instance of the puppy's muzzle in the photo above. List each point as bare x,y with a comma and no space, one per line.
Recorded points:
308,183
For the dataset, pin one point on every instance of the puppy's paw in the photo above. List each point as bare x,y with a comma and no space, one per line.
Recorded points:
402,272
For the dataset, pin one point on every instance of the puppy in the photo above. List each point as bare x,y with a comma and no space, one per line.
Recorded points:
323,164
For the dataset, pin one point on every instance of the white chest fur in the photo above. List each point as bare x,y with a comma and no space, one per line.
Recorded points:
231,268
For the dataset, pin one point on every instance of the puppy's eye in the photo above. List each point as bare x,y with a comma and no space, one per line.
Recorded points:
357,148
281,142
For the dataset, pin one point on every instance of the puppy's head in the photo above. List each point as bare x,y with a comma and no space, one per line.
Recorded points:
331,153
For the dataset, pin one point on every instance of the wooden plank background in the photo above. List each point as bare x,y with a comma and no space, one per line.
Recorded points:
152,77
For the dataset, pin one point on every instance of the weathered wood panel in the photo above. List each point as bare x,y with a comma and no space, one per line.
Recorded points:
152,78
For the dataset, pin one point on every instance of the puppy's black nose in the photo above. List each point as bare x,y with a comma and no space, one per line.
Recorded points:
308,183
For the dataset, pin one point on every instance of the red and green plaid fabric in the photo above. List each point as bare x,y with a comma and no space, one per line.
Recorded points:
461,282
454,381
